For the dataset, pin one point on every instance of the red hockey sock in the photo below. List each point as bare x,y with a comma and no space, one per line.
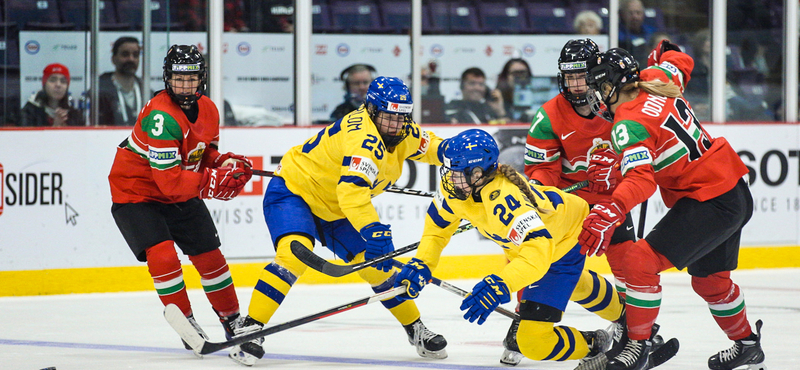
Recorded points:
615,255
165,268
217,282
641,267
726,303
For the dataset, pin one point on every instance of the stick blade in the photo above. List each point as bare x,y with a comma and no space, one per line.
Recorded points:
665,352
316,262
184,328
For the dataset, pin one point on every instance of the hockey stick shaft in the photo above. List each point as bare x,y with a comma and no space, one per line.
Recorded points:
642,214
392,189
318,263
177,319
460,292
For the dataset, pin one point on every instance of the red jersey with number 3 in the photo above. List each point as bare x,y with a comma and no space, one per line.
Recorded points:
661,142
163,160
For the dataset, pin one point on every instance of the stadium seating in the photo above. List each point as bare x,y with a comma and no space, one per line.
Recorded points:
549,18
356,16
77,12
454,17
35,15
130,12
502,17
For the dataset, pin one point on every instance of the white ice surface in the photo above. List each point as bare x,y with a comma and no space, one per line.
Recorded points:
128,331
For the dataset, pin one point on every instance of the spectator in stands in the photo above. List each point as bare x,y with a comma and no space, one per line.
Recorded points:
587,22
478,104
193,12
515,76
52,106
356,78
120,95
633,32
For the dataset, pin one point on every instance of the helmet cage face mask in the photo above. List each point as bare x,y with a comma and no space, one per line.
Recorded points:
573,59
607,74
184,60
389,102
470,161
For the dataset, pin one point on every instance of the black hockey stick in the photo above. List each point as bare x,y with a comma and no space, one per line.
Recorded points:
392,189
178,321
461,292
318,263
665,352
642,214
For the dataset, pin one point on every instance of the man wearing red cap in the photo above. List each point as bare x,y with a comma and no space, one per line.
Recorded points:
52,106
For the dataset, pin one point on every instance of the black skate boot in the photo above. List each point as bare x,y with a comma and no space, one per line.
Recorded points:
746,354
428,343
199,331
634,356
248,353
230,324
599,342
511,354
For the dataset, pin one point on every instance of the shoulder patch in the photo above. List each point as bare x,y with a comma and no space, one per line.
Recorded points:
424,143
635,157
494,195
365,166
522,225
670,67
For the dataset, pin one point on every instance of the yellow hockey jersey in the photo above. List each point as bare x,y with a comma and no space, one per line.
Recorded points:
339,170
530,240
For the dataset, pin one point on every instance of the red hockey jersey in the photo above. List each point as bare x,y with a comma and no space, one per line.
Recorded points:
661,142
164,157
559,143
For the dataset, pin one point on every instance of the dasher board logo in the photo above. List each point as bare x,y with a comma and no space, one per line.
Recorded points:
32,189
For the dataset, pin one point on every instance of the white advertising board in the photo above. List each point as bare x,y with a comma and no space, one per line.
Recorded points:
55,208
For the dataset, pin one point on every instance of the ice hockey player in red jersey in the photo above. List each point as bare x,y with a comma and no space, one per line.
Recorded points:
161,173
662,144
566,144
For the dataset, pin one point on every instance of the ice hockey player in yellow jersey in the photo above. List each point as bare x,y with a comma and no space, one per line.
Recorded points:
537,227
323,191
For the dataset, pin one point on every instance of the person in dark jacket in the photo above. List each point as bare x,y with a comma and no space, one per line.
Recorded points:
52,106
120,95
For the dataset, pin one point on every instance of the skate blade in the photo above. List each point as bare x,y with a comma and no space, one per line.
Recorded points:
511,358
440,354
663,353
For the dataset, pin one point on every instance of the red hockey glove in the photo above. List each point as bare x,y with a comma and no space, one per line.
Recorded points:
224,183
220,160
601,171
598,227
655,56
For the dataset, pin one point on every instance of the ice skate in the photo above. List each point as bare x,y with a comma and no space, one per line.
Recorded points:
199,331
428,343
230,324
248,353
746,354
511,354
599,342
634,356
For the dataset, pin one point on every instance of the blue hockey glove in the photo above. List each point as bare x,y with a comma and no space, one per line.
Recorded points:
379,242
415,275
485,297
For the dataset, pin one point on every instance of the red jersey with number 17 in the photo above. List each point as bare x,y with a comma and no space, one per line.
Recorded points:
164,157
662,143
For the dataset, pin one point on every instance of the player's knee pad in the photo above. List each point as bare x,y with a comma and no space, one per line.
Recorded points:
642,264
615,255
714,287
541,341
286,259
162,258
535,311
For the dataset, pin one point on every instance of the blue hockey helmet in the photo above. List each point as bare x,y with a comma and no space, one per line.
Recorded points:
187,60
465,153
606,75
390,95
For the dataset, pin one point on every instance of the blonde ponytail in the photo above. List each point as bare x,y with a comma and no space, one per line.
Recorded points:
522,183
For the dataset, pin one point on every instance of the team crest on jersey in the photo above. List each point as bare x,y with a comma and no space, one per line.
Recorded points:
364,165
598,144
523,225
635,157
197,153
494,195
